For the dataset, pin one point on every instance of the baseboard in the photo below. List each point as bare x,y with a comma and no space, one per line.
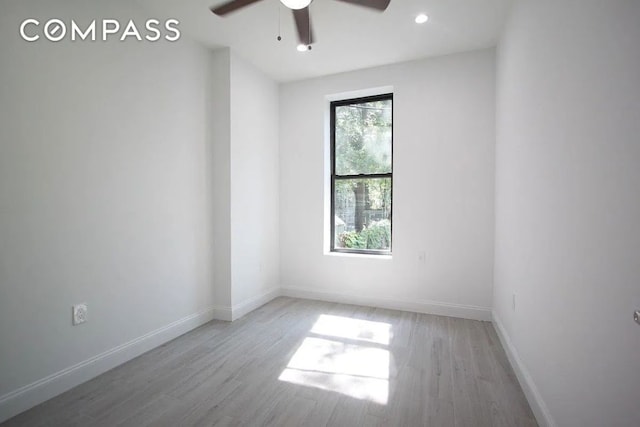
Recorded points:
17,401
539,408
247,306
418,306
223,313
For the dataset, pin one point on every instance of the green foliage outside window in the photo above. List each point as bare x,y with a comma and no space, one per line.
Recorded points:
376,236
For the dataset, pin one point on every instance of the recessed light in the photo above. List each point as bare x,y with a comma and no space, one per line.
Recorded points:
302,48
421,18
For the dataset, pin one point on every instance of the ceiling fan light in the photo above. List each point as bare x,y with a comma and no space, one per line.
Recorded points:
302,48
296,4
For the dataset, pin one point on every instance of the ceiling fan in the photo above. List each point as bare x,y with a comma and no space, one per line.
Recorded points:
300,9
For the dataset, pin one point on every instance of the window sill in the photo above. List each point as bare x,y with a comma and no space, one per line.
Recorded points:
364,256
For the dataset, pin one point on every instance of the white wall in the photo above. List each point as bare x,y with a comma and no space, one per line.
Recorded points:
567,207
443,200
105,193
221,123
246,193
254,186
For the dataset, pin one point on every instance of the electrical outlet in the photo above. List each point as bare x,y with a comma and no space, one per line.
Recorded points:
79,314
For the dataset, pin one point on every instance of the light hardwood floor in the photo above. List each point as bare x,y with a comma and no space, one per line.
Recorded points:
297,362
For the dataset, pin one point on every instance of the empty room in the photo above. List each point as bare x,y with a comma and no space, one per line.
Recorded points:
320,213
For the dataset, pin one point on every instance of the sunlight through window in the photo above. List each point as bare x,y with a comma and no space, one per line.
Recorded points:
344,355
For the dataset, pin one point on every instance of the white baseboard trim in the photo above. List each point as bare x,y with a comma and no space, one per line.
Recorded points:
17,401
418,306
251,304
222,313
539,408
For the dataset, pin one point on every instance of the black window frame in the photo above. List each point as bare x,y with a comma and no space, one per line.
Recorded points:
334,176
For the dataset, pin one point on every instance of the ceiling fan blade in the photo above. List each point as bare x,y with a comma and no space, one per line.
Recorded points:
231,6
372,4
303,24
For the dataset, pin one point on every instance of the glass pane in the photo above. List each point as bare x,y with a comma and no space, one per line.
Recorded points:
363,138
362,214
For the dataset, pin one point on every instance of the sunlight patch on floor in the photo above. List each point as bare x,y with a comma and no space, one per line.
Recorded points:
354,329
344,355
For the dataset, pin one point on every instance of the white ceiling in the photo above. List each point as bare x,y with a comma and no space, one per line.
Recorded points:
347,37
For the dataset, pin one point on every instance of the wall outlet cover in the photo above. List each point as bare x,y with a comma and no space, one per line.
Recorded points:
79,314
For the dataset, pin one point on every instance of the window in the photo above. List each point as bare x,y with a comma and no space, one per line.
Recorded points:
361,174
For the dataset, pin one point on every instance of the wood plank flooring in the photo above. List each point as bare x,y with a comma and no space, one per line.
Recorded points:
296,362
